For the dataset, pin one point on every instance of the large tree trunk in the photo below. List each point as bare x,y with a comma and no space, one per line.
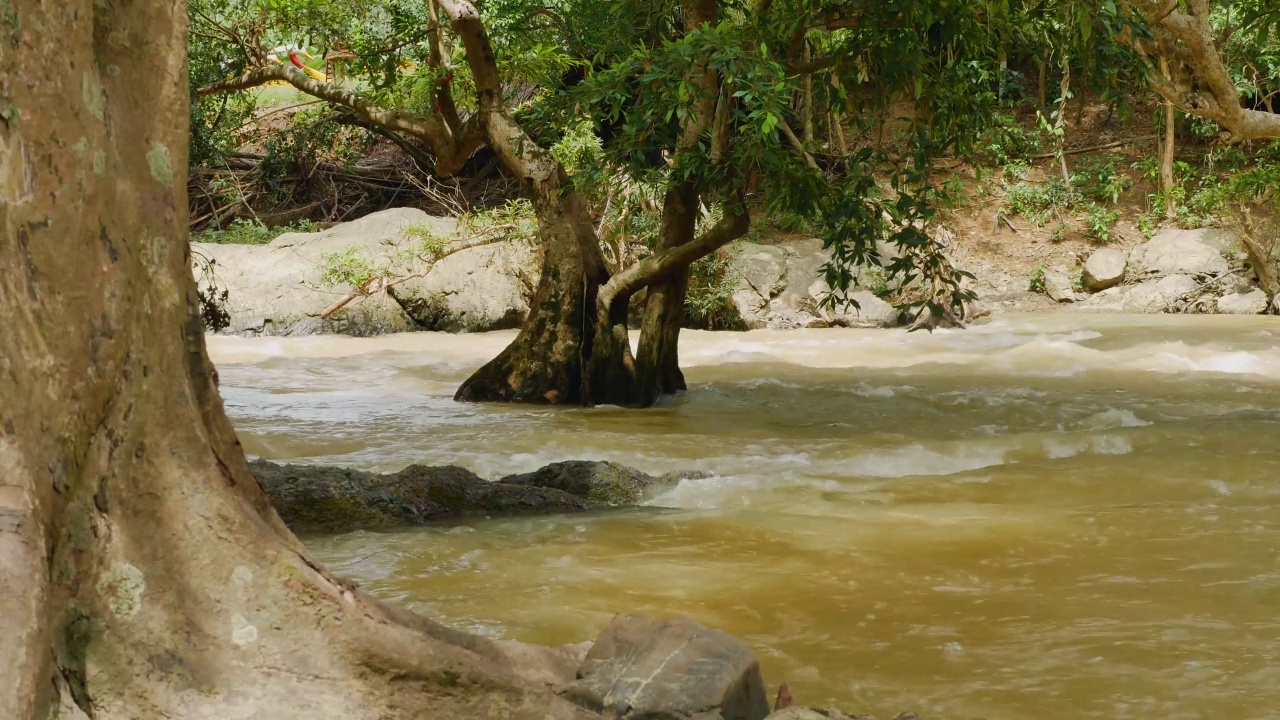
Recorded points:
658,353
547,360
145,574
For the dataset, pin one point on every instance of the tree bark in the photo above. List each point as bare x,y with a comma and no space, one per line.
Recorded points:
547,360
1166,153
658,353
146,575
1182,33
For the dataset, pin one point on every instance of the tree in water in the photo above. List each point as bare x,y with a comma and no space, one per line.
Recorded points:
145,573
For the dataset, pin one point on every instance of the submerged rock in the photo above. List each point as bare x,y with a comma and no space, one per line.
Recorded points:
316,498
598,482
327,499
642,668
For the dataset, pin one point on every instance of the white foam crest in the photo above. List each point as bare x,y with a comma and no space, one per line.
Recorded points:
1112,419
915,460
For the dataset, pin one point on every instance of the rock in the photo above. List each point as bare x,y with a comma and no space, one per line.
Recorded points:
1251,303
642,668
598,482
865,310
800,713
1155,296
1057,285
1105,268
1186,252
762,272
321,499
778,285
276,289
477,290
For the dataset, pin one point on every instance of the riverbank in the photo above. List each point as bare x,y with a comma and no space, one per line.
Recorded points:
296,285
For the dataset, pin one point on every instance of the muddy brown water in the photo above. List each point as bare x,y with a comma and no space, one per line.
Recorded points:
1065,516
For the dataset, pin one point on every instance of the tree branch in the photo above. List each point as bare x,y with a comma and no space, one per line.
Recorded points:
452,150
733,225
1186,38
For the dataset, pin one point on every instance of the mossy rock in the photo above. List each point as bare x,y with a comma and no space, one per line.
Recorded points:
598,482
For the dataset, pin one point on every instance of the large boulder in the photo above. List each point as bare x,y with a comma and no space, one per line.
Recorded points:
480,289
779,285
1153,296
1250,303
598,482
277,289
1105,268
322,499
642,668
865,309
1183,252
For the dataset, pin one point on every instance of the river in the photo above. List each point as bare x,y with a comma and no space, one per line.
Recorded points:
1058,516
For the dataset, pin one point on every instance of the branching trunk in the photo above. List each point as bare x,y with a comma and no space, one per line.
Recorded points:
452,147
547,360
1202,86
1260,256
145,573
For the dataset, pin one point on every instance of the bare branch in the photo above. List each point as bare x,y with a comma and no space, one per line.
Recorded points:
452,150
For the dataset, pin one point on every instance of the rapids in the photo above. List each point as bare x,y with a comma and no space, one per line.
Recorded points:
1059,516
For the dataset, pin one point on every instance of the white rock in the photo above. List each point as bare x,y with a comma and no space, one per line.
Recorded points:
1105,268
1189,252
1158,296
1057,285
1250,303
275,289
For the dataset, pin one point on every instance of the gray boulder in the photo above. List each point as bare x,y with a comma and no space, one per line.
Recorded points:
866,310
1154,296
477,290
322,499
1057,285
642,668
598,482
1105,268
1185,252
276,289
1250,303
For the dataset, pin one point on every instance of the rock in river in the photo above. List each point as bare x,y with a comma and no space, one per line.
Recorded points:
602,483
642,668
316,498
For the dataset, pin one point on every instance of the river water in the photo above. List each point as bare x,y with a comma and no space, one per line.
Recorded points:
1063,516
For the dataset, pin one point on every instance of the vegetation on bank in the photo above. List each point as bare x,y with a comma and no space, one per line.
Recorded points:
647,136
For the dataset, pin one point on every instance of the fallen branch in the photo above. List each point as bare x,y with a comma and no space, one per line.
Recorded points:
384,282
1095,148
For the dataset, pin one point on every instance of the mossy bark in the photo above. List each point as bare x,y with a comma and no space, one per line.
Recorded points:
658,353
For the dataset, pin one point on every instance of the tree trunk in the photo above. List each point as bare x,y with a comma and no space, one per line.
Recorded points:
1061,123
1166,153
1043,89
145,573
658,353
806,99
546,363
